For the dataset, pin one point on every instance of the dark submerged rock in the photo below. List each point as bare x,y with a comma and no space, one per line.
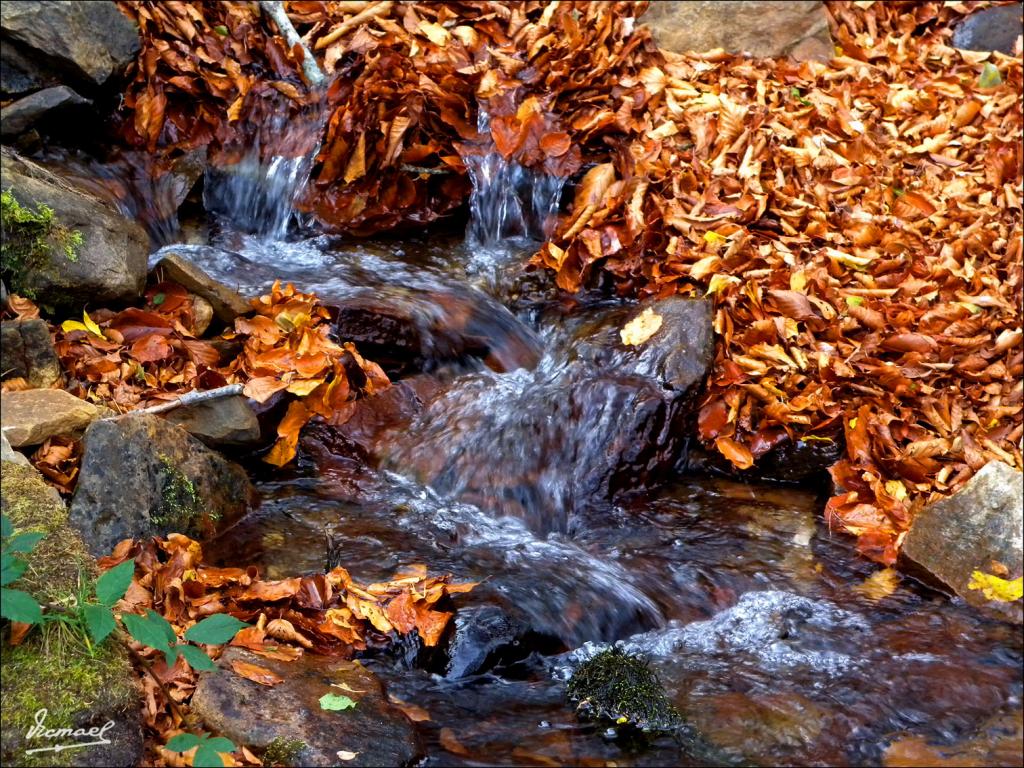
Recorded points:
142,476
259,716
26,350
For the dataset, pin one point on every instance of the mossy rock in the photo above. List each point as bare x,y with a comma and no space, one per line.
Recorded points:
622,689
31,240
52,669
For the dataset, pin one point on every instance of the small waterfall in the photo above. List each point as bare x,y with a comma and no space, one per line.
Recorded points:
508,201
259,192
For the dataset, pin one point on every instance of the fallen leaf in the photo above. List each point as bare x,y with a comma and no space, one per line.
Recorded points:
257,674
641,328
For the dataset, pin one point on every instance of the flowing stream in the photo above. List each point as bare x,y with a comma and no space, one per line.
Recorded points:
752,613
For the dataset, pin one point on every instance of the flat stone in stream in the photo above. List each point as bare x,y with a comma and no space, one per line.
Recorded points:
31,416
226,422
143,476
27,111
968,531
227,303
374,731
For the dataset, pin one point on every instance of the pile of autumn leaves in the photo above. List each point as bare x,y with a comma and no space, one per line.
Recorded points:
139,357
856,222
324,613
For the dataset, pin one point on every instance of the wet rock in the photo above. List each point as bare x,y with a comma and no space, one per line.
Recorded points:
19,74
620,688
374,731
224,422
85,42
26,351
106,264
798,28
542,445
72,686
783,459
21,115
990,29
481,637
979,525
998,741
227,303
30,416
142,476
414,331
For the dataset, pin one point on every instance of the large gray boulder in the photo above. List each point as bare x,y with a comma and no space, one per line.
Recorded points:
990,29
371,733
109,262
85,42
797,28
981,524
142,476
26,351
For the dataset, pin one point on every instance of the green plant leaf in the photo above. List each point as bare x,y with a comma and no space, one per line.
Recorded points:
335,702
20,606
183,742
99,620
989,77
6,526
111,586
207,757
171,655
159,299
221,744
215,630
151,629
11,568
221,30
24,542
197,659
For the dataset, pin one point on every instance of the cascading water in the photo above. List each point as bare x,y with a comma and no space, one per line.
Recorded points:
508,201
258,193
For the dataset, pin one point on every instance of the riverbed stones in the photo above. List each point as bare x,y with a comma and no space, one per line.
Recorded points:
797,28
979,525
22,114
30,416
106,264
227,303
371,733
143,476
74,687
221,423
990,29
86,43
26,351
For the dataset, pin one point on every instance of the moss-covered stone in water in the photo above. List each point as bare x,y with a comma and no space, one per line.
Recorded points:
621,688
283,752
180,509
53,669
28,240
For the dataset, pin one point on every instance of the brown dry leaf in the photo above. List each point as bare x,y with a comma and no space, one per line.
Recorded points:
257,674
641,328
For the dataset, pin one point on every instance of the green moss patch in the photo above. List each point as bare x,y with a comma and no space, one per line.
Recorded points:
30,239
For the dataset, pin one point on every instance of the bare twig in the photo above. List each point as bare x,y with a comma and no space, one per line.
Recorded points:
190,398
275,11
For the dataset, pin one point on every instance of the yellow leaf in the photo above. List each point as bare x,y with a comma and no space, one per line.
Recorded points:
91,326
73,325
896,489
437,34
718,283
879,585
995,588
641,328
713,238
